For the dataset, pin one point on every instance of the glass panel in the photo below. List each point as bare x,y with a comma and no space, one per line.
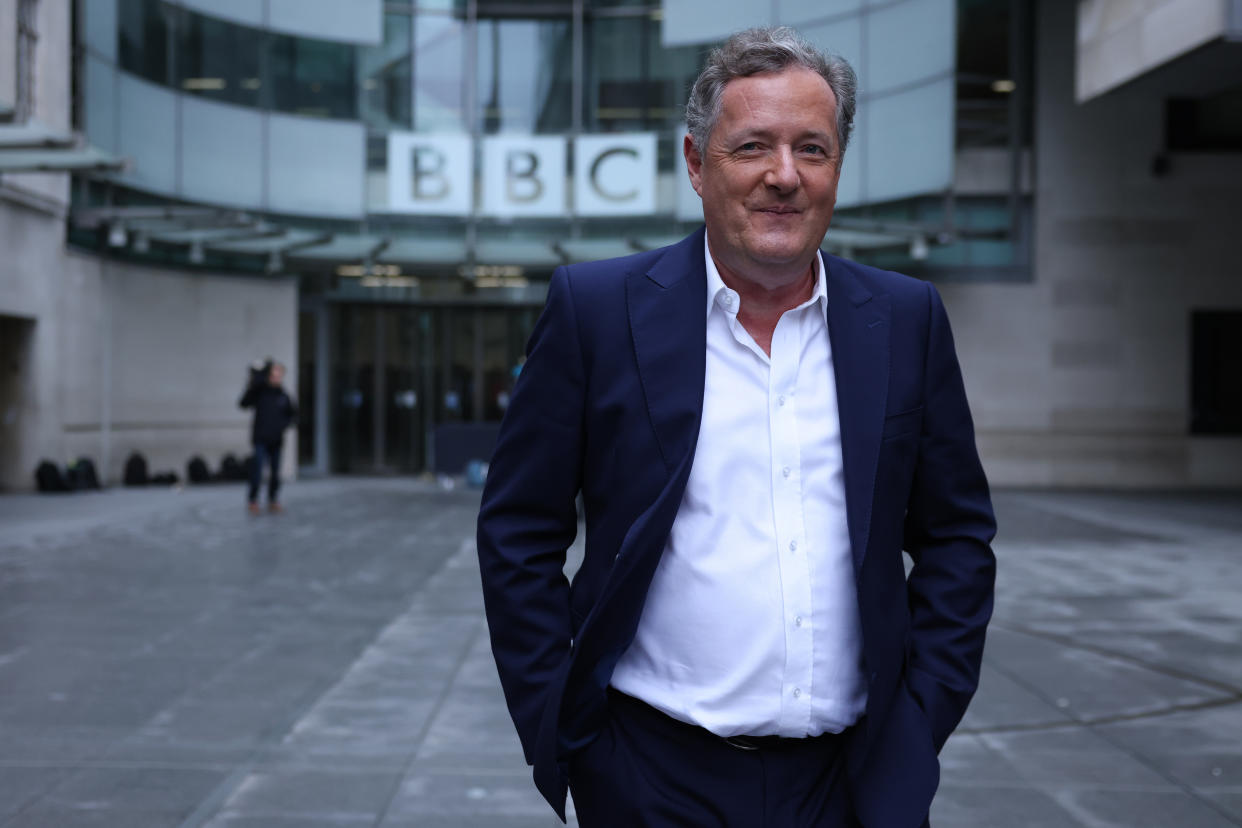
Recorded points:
334,150
147,117
307,336
455,393
142,32
497,383
313,77
403,446
218,60
221,153
525,80
384,73
355,21
439,84
909,142
632,83
353,380
98,27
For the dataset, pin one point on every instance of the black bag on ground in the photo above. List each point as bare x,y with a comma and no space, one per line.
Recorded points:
136,470
166,478
49,478
231,469
196,470
82,475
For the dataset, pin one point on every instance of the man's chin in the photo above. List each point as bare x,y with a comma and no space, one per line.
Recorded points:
781,254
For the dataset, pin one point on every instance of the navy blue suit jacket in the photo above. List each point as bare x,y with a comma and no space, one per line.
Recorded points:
609,403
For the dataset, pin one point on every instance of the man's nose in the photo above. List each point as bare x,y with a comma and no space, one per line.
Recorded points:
782,174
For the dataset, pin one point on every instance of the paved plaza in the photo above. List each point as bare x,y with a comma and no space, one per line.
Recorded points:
166,660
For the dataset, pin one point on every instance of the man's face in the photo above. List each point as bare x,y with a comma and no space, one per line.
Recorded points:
277,375
768,177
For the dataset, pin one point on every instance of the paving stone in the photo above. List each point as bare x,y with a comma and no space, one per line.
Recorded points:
1126,809
137,789
1071,756
339,795
167,661
1199,748
984,806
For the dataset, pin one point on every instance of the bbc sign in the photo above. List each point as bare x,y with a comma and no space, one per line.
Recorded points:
522,176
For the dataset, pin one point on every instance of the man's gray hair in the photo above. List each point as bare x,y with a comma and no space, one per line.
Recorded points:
760,51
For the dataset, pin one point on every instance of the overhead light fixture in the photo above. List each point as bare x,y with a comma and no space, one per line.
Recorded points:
141,243
1003,86
919,248
275,262
196,252
203,84
117,237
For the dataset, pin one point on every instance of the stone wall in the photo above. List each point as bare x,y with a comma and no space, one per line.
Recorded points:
1081,378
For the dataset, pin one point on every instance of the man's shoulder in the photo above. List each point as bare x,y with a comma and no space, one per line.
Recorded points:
876,280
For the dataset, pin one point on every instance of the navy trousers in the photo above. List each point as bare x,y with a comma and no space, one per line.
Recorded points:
646,770
265,454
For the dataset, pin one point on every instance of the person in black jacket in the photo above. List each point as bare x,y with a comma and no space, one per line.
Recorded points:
274,411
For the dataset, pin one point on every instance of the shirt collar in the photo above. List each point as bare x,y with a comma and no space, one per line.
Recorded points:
716,285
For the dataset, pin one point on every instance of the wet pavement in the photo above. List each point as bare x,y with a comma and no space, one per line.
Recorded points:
167,660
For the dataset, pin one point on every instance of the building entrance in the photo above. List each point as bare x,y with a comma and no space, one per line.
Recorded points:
416,388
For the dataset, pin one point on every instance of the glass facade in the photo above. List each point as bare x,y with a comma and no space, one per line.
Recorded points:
460,150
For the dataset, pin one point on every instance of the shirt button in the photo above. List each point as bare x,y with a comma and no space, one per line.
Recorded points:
797,693
798,621
785,471
793,546
781,399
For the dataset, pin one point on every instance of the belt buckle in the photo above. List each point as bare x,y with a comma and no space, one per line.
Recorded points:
740,742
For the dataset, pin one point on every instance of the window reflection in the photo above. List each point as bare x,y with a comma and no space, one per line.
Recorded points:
384,100
525,75
439,85
312,77
219,60
632,81
142,38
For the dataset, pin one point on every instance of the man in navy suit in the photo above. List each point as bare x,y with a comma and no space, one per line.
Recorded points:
758,430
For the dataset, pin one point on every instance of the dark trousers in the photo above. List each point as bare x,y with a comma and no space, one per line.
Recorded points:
649,770
265,453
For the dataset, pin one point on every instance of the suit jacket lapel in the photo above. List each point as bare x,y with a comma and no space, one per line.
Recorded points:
668,321
858,328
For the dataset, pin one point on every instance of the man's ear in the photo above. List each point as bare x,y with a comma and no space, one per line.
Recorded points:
694,163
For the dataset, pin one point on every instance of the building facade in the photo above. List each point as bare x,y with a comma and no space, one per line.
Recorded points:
377,192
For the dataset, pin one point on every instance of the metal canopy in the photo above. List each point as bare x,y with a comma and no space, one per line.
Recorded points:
652,242
425,251
344,248
87,159
841,238
522,252
213,236
158,218
33,135
279,242
589,250
33,147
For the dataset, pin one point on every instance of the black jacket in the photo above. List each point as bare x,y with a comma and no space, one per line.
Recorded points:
274,411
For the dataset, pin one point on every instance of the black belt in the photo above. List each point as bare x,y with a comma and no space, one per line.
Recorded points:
645,712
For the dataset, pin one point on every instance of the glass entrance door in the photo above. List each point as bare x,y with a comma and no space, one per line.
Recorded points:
400,373
406,400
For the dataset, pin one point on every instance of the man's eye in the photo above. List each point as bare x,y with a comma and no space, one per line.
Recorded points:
749,146
814,150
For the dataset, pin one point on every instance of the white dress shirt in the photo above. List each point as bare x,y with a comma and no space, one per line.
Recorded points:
751,623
